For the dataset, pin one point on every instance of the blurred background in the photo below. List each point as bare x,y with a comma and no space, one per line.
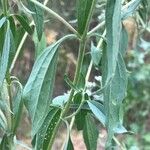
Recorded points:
137,102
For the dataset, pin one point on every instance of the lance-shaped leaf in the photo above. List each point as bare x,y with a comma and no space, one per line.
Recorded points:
130,9
37,93
4,60
38,17
83,13
17,103
90,133
98,111
113,31
45,132
114,77
24,24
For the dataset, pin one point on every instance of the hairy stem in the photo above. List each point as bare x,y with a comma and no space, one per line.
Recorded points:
82,46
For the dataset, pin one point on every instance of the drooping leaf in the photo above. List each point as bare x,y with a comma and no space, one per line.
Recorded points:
98,111
44,134
38,90
90,133
83,13
24,24
96,54
38,17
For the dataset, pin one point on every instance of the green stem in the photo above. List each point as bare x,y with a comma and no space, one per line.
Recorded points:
67,106
4,4
82,45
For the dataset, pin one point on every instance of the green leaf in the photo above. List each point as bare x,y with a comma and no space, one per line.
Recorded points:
4,60
17,104
83,72
2,38
90,133
98,111
113,71
80,116
2,21
12,25
113,32
96,54
38,90
126,12
24,24
60,100
37,93
4,143
3,121
45,132
38,17
83,12
39,45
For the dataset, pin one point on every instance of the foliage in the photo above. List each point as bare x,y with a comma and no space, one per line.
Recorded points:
46,114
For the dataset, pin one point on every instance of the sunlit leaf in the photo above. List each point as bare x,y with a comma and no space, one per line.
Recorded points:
38,90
